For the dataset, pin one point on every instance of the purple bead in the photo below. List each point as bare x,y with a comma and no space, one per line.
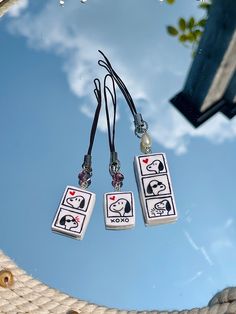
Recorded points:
118,177
84,175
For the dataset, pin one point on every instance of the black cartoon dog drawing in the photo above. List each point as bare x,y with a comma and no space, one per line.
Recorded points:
121,207
76,201
161,208
155,187
156,166
68,222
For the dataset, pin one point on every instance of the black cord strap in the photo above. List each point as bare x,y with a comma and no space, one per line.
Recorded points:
112,93
114,167
85,175
98,95
141,126
107,65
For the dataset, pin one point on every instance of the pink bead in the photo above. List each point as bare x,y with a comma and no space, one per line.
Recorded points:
118,177
84,175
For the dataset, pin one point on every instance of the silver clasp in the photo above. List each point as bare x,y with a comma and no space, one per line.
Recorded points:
141,126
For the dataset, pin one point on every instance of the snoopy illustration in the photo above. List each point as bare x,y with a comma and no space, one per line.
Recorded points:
68,222
76,201
161,208
155,187
121,207
156,166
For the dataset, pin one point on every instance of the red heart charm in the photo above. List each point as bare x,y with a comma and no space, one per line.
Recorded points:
72,193
145,160
112,198
77,218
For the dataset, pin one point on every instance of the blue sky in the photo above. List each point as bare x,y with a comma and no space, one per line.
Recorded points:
48,63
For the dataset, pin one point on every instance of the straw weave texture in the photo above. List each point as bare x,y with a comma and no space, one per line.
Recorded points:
28,295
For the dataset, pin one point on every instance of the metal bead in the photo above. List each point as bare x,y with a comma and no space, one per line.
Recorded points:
85,184
6,279
145,150
114,167
117,184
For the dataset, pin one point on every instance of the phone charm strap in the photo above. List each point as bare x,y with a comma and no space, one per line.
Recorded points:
119,210
76,206
151,170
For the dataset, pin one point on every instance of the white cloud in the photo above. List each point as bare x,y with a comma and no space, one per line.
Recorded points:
18,8
206,256
229,222
189,219
220,245
191,279
191,242
196,276
201,249
147,66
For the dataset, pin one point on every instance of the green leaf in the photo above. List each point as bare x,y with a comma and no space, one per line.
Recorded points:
172,30
191,22
191,37
205,6
202,23
182,24
183,38
170,1
197,33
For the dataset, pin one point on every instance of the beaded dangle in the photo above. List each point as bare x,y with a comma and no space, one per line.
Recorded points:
76,206
151,169
119,210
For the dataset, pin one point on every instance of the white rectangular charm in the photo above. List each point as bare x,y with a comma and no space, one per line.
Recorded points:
74,212
155,189
119,210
